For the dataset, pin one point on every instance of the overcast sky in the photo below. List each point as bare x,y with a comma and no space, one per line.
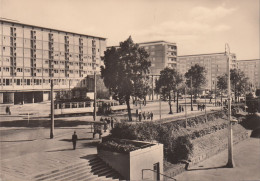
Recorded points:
197,26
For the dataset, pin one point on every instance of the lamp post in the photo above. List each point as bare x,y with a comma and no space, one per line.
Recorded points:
52,111
230,163
95,96
191,106
185,108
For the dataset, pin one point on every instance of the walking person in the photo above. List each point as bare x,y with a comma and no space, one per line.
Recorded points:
140,117
112,123
144,116
74,140
151,115
8,110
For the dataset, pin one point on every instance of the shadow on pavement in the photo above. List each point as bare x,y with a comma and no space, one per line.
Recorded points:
80,139
207,168
256,133
89,157
18,141
42,123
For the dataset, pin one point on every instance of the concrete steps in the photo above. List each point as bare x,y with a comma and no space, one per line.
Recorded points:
93,169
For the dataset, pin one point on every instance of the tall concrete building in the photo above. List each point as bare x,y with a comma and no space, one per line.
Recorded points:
251,68
214,63
30,56
162,54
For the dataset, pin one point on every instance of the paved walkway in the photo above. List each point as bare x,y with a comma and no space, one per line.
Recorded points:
23,159
246,159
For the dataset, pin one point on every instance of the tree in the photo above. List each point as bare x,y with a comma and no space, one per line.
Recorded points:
195,79
239,82
125,72
168,82
222,84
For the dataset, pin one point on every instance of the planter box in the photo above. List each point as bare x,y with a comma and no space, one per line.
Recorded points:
131,165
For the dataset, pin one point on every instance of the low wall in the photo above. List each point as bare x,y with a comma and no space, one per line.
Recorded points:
130,165
238,137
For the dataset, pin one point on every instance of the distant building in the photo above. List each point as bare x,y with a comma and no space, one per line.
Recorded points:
162,54
251,68
30,56
214,63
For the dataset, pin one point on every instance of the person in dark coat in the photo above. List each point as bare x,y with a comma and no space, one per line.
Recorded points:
112,123
140,117
74,140
151,115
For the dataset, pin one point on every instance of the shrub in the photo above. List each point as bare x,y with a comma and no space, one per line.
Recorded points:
117,147
176,139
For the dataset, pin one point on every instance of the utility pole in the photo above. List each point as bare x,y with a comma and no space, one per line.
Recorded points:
152,88
230,163
185,108
215,93
52,111
95,96
191,106
206,118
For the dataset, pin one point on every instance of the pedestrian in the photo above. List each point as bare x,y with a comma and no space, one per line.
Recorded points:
112,123
179,108
140,116
182,108
74,140
151,115
7,109
148,116
144,116
108,122
136,112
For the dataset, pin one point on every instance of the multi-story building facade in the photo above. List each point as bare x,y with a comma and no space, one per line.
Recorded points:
214,63
30,56
251,68
162,54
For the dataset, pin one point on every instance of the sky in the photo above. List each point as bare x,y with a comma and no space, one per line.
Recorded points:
196,26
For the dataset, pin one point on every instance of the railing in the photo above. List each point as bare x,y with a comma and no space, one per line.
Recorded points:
157,173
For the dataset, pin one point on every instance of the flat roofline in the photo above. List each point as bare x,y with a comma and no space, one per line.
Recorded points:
203,54
52,29
159,41
248,60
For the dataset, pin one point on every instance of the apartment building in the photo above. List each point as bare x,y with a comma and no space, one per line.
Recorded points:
30,56
162,54
214,63
251,68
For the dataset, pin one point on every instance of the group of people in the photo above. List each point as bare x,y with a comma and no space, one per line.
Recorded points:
109,122
181,108
144,116
201,107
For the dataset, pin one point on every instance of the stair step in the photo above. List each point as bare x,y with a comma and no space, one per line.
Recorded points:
79,176
83,176
39,177
104,171
67,173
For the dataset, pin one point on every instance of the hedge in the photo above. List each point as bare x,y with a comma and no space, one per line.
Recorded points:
176,138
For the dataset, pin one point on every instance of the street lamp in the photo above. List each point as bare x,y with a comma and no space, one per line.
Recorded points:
95,96
191,106
230,163
185,108
52,111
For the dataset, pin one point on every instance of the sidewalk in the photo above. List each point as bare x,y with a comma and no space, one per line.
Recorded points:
26,158
246,159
